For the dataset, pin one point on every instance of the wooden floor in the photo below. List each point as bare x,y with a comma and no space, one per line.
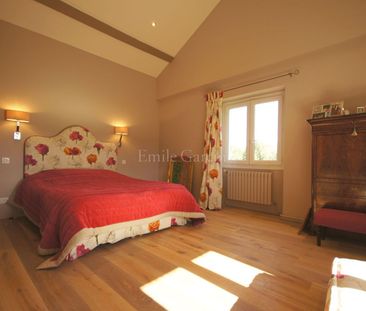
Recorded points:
111,277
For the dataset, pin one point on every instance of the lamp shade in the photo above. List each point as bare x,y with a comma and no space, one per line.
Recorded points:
14,115
121,130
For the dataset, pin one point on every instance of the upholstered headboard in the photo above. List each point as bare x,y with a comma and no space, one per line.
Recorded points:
73,147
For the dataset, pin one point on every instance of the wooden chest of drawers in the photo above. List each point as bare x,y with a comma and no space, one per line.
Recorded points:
339,163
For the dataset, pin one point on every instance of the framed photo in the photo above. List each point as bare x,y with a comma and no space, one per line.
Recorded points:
318,112
328,110
318,115
360,109
321,111
336,109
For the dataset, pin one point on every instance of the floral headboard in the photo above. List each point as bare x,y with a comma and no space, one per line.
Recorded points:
74,147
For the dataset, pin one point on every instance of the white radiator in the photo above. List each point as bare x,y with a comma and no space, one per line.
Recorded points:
249,186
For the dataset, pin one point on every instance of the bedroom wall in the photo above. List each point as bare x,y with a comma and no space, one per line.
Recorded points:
61,86
330,74
243,35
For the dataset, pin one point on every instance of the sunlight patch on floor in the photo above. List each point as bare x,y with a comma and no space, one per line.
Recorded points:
229,268
183,290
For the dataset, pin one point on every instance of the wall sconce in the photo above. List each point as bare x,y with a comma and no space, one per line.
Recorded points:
122,131
18,117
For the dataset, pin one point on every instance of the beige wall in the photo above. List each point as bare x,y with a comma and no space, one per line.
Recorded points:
331,74
243,35
61,86
245,40
181,129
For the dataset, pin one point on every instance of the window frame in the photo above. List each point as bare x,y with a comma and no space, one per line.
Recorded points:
250,101
225,135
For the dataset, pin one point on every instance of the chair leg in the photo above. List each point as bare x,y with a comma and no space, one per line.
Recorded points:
319,235
324,232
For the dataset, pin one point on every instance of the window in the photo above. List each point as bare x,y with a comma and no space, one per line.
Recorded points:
252,130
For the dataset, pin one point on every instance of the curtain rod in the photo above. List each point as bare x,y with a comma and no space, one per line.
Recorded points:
290,73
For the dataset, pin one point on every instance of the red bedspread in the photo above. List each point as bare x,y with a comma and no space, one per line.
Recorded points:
63,202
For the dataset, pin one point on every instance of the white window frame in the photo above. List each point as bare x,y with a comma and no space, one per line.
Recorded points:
250,101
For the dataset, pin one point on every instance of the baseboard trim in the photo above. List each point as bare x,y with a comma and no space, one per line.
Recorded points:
267,209
292,219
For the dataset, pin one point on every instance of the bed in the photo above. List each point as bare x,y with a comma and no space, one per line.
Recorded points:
72,192
347,286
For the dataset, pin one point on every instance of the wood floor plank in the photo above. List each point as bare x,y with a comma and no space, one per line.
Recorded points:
17,291
121,279
111,277
56,294
255,295
94,291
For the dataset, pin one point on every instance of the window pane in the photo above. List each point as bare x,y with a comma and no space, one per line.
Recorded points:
266,131
238,133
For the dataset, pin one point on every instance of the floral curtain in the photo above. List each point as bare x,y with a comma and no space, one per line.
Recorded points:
211,188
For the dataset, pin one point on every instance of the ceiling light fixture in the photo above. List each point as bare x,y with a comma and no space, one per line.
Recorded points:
153,24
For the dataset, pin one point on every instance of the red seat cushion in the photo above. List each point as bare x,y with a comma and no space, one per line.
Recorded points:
343,220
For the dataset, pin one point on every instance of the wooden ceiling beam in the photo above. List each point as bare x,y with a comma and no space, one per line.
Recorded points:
96,24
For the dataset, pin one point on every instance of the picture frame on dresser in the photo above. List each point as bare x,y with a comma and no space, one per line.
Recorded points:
336,109
318,115
360,109
327,110
318,112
